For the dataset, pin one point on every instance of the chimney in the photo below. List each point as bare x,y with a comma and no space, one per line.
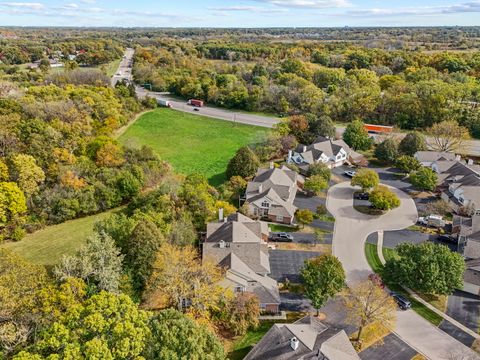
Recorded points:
260,187
294,343
304,148
289,159
458,158
271,165
220,214
221,244
470,162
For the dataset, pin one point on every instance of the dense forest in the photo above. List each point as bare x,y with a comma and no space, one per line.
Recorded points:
409,89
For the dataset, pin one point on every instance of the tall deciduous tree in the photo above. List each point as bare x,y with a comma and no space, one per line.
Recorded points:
367,303
424,179
366,179
408,163
26,173
448,136
304,216
412,142
387,150
383,198
245,163
323,278
356,136
241,313
176,337
98,262
315,184
12,201
426,267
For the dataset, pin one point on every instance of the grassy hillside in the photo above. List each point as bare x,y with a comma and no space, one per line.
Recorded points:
191,143
47,246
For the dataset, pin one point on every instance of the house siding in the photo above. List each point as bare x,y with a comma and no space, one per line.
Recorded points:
286,220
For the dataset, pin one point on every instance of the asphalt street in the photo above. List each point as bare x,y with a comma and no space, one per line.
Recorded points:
392,348
287,264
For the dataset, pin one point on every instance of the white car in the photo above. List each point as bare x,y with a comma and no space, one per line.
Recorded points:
350,173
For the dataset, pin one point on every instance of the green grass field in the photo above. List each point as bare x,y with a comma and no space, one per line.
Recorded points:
191,143
47,246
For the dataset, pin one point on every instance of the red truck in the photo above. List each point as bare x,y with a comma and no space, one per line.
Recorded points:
195,102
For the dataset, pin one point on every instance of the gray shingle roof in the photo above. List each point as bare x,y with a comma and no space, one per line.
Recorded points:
432,156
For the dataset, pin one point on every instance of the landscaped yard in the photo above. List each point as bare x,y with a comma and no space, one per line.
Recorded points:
47,246
192,143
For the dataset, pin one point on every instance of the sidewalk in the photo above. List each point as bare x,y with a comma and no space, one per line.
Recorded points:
420,300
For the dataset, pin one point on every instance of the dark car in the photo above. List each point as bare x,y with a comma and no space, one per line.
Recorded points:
447,238
196,109
362,196
401,301
281,237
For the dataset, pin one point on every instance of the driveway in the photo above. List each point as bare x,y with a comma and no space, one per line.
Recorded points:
393,348
288,263
351,231
465,308
393,238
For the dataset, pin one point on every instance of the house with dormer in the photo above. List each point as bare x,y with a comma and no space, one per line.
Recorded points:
270,195
238,245
332,153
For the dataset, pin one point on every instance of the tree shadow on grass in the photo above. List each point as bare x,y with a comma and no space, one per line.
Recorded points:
217,179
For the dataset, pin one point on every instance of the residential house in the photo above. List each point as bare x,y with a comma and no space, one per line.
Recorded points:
270,195
427,158
238,245
467,229
324,150
307,338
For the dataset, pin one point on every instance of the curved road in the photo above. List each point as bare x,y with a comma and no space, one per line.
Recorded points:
350,233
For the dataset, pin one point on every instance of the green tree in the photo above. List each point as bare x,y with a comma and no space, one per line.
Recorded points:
387,150
323,277
426,267
320,169
141,252
240,313
4,174
12,202
412,142
26,173
356,136
424,179
408,163
383,198
315,184
245,163
99,262
106,326
176,337
323,126
304,216
366,179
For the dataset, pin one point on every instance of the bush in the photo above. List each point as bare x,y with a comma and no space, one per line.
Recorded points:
315,184
408,163
384,199
387,151
320,169
321,210
424,179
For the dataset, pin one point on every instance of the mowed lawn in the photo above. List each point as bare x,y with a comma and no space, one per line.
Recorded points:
47,246
190,142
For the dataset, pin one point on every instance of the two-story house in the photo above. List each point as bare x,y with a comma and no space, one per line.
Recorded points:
270,195
238,245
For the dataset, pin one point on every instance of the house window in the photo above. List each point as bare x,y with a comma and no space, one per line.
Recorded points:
461,200
279,218
239,289
265,204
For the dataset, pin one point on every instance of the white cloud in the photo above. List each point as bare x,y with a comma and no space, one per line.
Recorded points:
468,7
309,4
23,5
250,9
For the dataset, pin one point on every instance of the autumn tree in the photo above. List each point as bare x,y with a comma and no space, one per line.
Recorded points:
368,304
315,184
241,313
408,163
356,136
366,179
448,136
106,326
98,262
323,278
383,198
179,277
244,164
174,336
412,143
110,155
12,202
26,173
304,216
320,169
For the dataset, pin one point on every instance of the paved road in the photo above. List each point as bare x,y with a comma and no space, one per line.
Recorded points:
351,231
124,71
393,348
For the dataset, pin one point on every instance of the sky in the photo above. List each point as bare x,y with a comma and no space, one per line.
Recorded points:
239,13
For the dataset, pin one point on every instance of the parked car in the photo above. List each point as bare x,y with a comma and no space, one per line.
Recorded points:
350,173
196,109
377,280
362,196
447,238
432,221
281,237
401,301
